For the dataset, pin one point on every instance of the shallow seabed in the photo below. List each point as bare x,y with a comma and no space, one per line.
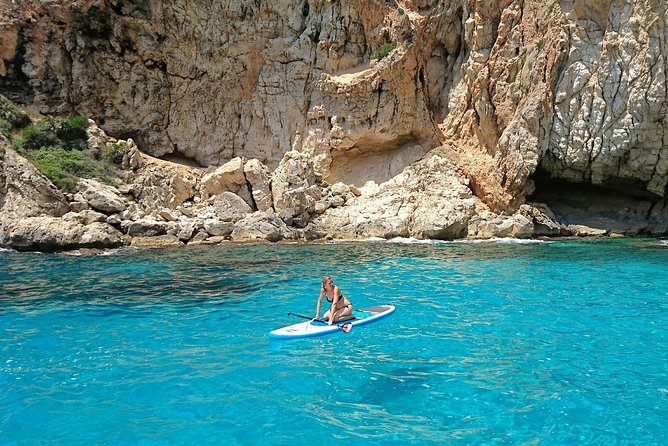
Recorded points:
547,343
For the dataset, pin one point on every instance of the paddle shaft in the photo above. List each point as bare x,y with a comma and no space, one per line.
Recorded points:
341,326
300,315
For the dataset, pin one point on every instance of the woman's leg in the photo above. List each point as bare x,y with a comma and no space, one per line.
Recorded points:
343,312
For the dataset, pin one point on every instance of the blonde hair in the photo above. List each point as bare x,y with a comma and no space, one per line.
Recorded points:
325,279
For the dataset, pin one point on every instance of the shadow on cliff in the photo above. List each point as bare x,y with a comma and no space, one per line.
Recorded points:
618,206
374,160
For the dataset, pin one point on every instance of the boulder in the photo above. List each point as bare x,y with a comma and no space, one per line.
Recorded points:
294,189
161,241
259,226
426,200
167,215
161,185
145,227
185,230
545,223
54,234
97,138
218,228
229,177
25,192
489,225
199,238
229,207
85,217
132,158
587,231
133,212
101,197
259,178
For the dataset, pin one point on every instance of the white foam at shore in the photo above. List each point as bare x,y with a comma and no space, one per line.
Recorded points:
405,240
411,240
115,251
506,240
106,252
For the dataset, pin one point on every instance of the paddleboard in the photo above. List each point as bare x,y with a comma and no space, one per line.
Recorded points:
319,327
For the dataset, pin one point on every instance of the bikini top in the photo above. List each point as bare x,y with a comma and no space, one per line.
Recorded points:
332,299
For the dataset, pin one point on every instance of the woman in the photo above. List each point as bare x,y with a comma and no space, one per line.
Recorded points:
341,307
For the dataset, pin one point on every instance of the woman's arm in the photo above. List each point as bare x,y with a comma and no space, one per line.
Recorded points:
317,308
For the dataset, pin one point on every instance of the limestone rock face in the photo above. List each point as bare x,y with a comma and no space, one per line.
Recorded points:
516,96
572,88
427,200
610,100
294,189
24,191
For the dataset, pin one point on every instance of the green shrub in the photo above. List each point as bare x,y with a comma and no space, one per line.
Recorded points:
54,132
59,149
63,167
59,165
113,153
383,51
72,131
36,136
6,129
10,113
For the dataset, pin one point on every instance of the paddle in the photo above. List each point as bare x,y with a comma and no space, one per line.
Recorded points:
345,327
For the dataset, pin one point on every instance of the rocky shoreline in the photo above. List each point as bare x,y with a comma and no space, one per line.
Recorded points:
158,203
314,120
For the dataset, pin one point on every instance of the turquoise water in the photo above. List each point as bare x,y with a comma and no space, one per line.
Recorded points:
492,343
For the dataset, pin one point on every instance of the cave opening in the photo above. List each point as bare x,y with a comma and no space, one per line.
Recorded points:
180,158
619,205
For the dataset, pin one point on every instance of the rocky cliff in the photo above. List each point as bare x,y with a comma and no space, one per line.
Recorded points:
485,118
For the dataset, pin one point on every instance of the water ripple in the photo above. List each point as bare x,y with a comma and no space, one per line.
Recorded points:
491,343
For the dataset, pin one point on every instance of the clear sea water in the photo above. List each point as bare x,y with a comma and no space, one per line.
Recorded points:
559,343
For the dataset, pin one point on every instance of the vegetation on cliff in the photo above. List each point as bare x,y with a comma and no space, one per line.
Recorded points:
58,147
383,51
12,118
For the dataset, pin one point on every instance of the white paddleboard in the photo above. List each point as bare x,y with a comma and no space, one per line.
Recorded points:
319,327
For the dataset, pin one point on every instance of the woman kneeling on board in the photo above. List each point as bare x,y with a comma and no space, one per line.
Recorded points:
341,307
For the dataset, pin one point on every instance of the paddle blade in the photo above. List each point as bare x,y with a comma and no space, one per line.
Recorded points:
346,328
